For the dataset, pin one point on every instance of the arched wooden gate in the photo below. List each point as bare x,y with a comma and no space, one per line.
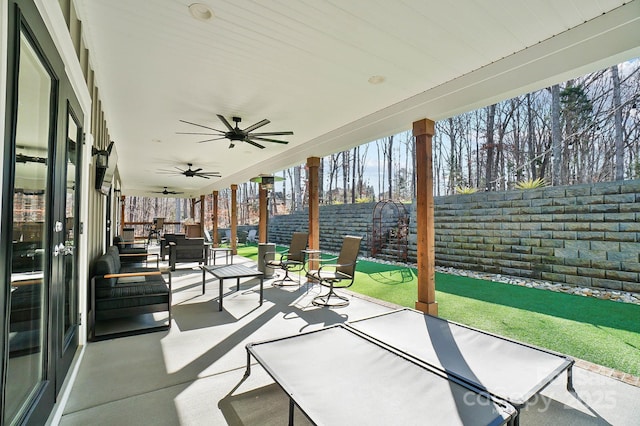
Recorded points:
390,231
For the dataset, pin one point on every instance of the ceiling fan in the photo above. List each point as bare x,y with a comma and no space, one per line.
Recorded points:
167,192
191,173
235,134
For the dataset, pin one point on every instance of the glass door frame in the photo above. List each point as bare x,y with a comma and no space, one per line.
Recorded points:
58,350
67,337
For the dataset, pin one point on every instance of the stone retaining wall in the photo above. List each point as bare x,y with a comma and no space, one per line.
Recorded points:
583,235
336,221
586,235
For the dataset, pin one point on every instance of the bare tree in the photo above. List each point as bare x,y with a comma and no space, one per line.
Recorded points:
489,147
556,141
345,176
297,189
617,106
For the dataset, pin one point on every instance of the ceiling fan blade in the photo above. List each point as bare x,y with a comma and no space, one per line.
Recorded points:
255,126
179,169
214,139
202,176
226,123
195,133
269,140
253,143
272,134
200,125
197,170
212,174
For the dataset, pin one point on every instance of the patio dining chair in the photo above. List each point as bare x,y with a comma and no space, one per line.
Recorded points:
340,274
156,229
291,260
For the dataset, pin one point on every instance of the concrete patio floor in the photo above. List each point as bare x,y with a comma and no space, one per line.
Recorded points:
193,373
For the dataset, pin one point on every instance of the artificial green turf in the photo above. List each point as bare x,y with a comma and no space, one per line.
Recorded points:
599,331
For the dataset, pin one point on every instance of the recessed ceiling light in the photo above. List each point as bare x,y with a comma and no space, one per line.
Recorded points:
201,11
376,79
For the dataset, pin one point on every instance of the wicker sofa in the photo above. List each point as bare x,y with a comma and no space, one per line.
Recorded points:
119,291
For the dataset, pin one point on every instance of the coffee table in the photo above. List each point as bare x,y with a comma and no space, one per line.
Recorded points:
231,271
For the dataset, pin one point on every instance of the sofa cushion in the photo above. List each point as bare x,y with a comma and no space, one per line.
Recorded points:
115,254
132,295
104,265
172,238
129,248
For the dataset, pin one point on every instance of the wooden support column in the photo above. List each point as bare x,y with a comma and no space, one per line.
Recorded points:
234,219
264,215
214,219
313,164
423,132
202,216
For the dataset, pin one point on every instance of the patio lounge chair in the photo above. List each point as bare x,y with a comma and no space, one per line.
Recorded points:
337,275
252,236
291,260
226,239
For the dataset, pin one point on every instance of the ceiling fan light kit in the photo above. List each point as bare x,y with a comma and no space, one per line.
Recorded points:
236,134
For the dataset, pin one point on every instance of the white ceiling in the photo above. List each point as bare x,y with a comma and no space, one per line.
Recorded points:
305,65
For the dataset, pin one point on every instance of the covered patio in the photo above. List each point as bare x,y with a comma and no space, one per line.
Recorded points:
152,88
193,373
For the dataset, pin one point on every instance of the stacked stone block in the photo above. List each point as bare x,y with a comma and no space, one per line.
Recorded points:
336,221
584,235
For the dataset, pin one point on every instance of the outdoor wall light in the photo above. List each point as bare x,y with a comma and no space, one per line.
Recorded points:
104,171
102,157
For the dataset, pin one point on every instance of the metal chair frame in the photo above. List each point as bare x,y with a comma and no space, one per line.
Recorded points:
340,274
291,260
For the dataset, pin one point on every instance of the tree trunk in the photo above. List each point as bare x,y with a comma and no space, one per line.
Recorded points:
491,112
297,191
353,175
556,142
617,117
321,182
390,164
345,176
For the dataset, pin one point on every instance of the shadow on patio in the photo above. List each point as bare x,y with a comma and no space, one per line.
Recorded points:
193,373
